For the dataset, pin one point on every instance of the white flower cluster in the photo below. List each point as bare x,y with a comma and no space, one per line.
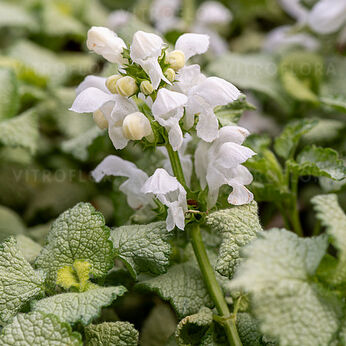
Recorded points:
178,96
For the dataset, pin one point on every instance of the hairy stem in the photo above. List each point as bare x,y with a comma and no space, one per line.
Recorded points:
213,287
295,220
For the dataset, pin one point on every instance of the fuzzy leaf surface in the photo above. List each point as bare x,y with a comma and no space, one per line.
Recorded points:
79,307
77,234
111,334
237,226
9,96
333,218
40,330
278,272
143,248
19,283
182,286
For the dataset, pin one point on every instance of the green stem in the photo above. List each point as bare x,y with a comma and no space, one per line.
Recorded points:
213,287
295,220
176,165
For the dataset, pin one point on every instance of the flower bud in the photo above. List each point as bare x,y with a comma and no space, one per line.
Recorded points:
126,86
136,126
100,119
111,83
146,87
105,42
176,59
170,74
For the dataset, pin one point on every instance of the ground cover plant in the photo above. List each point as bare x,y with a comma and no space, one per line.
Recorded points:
172,173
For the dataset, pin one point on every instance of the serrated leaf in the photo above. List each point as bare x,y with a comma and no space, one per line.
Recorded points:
40,330
12,15
182,286
237,226
251,71
111,334
10,223
79,307
19,283
319,162
143,248
28,247
78,146
77,234
192,329
333,218
158,326
21,131
287,142
231,113
336,102
278,272
9,96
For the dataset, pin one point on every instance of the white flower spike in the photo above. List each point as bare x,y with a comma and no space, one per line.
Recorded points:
219,163
171,193
168,109
105,42
116,166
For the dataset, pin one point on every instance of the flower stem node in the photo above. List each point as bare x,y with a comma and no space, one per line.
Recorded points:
111,83
126,86
146,87
136,126
176,59
100,119
170,74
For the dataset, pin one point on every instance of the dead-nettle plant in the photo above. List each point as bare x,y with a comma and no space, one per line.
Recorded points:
157,99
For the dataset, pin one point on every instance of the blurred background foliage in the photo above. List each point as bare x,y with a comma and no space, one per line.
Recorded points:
47,152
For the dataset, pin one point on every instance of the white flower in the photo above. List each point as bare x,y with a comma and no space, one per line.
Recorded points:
213,12
327,16
171,193
204,94
105,42
145,51
163,14
282,38
295,9
219,163
117,19
185,159
92,95
167,110
116,166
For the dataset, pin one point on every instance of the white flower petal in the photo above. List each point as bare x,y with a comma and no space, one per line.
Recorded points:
90,100
175,217
233,154
166,101
188,77
145,45
116,166
213,12
152,67
117,137
207,126
217,92
160,183
236,134
327,16
201,162
93,82
105,42
192,44
240,195
117,19
240,175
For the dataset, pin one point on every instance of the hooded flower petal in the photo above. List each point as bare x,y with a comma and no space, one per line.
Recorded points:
105,42
93,82
90,100
207,126
116,166
327,16
168,110
213,12
169,192
152,67
192,44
